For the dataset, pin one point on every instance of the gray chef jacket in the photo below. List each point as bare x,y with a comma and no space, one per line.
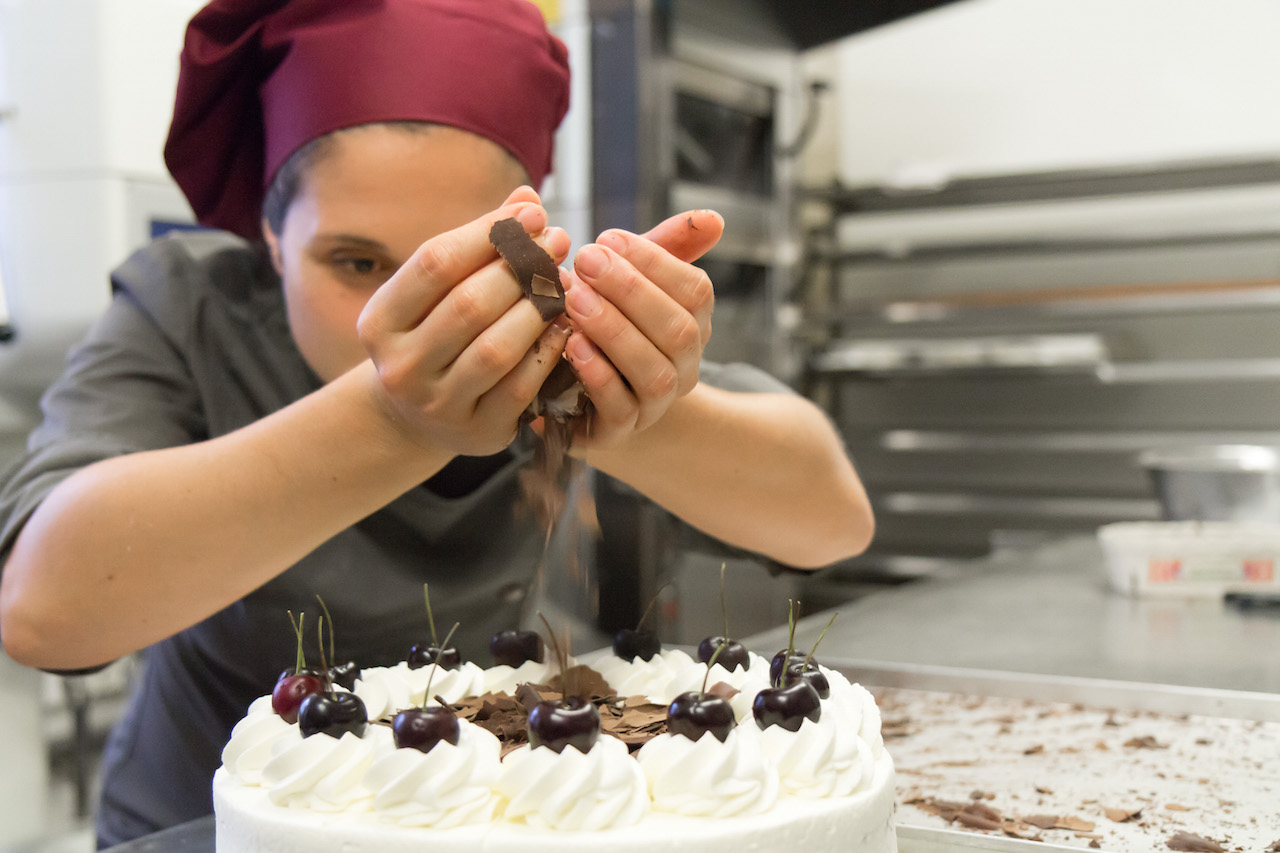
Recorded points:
194,345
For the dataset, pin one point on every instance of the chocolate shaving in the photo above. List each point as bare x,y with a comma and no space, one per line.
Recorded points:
634,720
1193,843
1121,815
1145,742
536,271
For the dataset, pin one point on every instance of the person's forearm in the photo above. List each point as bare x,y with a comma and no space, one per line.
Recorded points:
133,549
765,472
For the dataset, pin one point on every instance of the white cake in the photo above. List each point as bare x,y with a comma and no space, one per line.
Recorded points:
827,787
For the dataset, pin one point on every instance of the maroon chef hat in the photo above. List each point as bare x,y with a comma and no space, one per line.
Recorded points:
261,78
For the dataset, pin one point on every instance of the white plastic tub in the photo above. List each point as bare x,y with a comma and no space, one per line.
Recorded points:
1191,558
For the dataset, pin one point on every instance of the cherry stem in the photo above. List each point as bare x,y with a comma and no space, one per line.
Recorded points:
430,619
300,660
328,616
560,656
426,691
724,607
652,601
805,668
791,640
711,663
324,665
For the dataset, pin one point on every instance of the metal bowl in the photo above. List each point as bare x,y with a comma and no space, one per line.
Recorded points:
1225,482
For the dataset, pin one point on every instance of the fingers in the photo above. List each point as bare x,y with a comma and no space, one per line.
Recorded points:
684,283
438,264
689,235
639,327
484,322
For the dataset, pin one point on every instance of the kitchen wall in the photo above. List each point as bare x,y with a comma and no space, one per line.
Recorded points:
996,86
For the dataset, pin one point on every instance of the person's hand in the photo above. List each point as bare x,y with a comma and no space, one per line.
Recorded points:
642,317
459,352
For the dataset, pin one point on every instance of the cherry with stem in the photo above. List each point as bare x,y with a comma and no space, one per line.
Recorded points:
734,654
696,713
328,711
573,721
631,644
421,654
424,727
292,687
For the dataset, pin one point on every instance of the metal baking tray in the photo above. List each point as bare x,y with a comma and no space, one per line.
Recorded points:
1091,692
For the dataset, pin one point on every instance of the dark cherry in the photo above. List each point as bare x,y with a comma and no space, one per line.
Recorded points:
787,706
289,692
332,714
817,678
421,654
781,661
629,644
574,722
512,648
345,674
693,714
733,656
423,728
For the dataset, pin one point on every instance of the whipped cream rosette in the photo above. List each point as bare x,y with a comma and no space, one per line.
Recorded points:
822,759
505,679
672,672
451,785
707,778
321,772
252,741
856,708
601,789
449,684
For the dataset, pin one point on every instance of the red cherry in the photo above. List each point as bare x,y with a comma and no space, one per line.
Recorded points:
289,692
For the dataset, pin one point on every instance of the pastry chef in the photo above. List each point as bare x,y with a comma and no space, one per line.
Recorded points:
322,394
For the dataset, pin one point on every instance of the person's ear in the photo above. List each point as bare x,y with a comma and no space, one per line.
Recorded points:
273,246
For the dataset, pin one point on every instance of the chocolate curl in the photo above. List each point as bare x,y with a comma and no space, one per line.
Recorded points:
536,271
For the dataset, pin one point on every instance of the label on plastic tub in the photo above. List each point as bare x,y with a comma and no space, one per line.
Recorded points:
1213,568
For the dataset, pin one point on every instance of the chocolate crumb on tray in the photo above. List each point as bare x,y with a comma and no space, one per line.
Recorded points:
1125,782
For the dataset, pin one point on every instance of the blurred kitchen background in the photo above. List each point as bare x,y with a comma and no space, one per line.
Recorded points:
1007,244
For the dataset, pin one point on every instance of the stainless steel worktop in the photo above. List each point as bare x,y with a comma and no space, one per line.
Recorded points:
1049,612
1040,623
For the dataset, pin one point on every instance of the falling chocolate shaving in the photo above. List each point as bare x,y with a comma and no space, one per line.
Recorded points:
1193,843
536,271
562,400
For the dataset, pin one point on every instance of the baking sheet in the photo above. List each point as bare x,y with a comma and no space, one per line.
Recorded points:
1087,751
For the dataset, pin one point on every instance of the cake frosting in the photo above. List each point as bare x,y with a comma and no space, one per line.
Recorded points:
827,786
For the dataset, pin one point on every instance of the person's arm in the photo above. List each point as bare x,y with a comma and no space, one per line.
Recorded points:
131,549
765,472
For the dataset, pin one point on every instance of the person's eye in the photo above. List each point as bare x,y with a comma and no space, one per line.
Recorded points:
359,266
362,269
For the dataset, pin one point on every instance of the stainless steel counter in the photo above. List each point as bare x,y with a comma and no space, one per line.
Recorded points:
1039,625
1049,613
